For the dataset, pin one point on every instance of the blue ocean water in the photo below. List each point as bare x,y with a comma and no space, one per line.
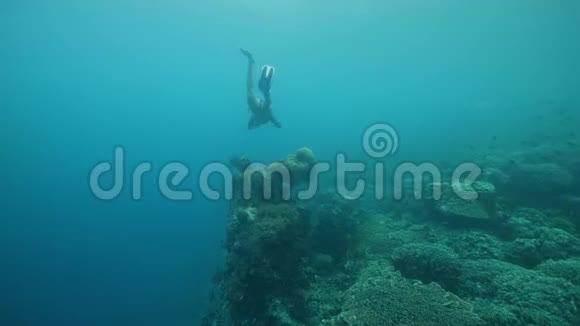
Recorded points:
165,80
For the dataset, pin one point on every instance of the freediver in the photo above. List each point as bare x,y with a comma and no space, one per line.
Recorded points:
261,109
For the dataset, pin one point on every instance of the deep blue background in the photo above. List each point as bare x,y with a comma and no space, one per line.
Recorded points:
165,80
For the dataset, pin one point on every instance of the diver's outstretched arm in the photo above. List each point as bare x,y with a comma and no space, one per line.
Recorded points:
275,122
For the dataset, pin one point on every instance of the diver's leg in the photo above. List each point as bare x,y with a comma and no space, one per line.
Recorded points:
247,54
265,82
267,99
253,102
249,81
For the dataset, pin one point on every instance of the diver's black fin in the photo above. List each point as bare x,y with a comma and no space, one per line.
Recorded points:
266,78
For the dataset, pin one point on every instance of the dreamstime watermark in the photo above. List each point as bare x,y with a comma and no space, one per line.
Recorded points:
379,141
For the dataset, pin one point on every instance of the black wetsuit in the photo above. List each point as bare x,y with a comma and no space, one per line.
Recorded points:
261,110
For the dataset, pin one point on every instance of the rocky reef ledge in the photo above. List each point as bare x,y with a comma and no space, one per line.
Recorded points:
496,260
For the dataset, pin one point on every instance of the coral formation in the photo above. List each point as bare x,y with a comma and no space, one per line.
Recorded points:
300,164
276,181
305,155
508,257
265,262
383,297
568,269
531,298
454,207
476,245
428,263
543,244
335,223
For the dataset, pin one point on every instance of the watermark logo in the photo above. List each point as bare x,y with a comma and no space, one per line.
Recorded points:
379,141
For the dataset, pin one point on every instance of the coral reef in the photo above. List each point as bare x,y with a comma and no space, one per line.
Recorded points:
528,297
542,244
537,175
428,263
276,181
511,256
383,297
568,269
335,223
300,164
478,210
476,245
266,248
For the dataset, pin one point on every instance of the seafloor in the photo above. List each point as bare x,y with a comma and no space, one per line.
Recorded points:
510,257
